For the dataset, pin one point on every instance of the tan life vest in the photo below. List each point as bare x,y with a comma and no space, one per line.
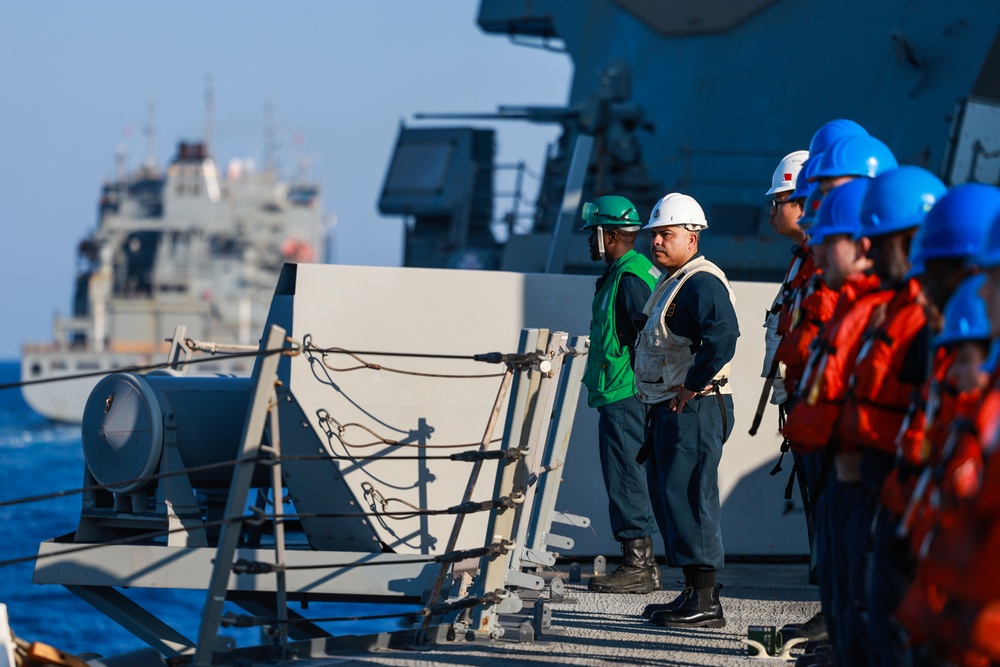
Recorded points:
663,358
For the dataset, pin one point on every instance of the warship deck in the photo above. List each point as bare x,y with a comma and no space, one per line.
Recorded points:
604,629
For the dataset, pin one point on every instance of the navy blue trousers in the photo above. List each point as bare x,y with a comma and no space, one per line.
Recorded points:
683,475
888,580
620,433
842,533
808,471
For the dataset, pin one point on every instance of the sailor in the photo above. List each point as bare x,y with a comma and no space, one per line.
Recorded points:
803,304
853,156
889,367
785,213
806,301
844,267
621,292
686,342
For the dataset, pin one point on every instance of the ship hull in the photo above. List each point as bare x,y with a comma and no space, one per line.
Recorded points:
63,400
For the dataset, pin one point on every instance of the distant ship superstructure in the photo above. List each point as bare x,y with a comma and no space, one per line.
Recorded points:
189,246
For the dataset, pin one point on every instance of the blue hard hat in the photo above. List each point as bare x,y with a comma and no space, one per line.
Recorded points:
965,315
862,155
810,208
831,132
899,199
802,185
840,212
957,225
986,199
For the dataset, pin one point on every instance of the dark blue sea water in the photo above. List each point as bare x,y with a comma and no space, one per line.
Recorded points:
39,457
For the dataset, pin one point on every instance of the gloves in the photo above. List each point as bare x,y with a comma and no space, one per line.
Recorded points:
778,393
771,342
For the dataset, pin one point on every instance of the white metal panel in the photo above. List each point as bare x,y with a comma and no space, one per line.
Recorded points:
451,312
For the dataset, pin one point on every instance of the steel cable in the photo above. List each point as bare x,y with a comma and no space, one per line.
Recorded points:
149,367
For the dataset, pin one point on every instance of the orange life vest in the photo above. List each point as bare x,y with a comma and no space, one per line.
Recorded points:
954,602
795,287
821,392
879,399
814,310
950,478
987,430
954,484
921,437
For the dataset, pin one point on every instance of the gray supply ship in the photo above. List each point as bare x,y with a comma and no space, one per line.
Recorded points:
189,246
341,413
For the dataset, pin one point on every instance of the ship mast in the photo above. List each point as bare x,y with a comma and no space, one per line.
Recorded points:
270,138
150,131
209,113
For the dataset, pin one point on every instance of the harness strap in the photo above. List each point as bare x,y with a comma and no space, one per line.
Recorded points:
722,406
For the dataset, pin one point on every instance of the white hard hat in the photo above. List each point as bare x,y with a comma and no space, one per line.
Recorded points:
678,210
788,169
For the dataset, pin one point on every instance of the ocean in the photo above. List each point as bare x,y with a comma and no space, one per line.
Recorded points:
37,457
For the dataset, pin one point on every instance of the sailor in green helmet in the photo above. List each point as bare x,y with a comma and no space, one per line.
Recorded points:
622,291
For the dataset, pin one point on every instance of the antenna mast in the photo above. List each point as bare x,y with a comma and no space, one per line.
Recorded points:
209,113
270,139
150,131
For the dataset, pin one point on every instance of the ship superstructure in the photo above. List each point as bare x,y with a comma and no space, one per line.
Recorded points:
188,246
702,98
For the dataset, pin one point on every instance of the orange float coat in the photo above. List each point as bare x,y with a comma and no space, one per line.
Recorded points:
821,392
813,310
879,399
954,602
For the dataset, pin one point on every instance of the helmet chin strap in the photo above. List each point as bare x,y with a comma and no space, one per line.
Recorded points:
600,241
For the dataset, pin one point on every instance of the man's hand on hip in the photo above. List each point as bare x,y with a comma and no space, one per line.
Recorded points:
684,395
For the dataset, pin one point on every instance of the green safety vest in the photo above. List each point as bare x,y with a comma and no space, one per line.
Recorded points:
608,377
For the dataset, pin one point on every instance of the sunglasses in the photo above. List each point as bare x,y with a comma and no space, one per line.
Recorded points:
778,203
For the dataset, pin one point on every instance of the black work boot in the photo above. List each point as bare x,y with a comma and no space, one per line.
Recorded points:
690,574
701,609
814,629
654,568
668,606
632,576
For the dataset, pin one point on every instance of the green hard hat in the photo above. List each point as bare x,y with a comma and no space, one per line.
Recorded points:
610,211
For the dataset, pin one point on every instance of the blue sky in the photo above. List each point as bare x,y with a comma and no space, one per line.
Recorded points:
76,79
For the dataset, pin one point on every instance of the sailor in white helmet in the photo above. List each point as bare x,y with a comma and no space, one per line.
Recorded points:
686,343
786,210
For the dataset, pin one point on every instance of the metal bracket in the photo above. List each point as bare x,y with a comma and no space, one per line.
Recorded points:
532,557
542,620
524,580
574,520
525,632
179,352
559,542
509,604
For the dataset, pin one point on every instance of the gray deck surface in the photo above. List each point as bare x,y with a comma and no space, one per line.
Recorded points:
607,629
